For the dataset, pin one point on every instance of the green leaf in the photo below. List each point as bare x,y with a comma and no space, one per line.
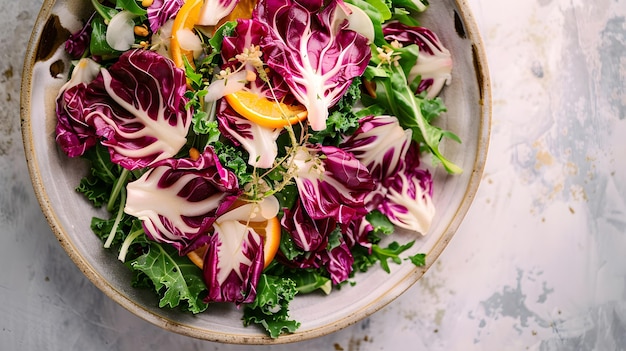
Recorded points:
395,95
98,184
102,228
378,12
308,281
270,309
419,260
391,252
342,118
288,248
234,159
363,259
132,6
175,278
104,11
98,45
101,165
95,190
380,223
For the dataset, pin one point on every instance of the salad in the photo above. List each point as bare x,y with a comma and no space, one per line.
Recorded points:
250,151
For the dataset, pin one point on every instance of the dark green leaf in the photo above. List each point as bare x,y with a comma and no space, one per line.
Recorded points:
418,260
102,228
131,6
177,280
308,281
380,223
98,45
270,309
95,190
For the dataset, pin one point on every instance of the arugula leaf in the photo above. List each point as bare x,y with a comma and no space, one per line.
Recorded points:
418,260
104,11
98,45
394,93
288,248
174,277
380,223
391,252
270,309
132,6
364,259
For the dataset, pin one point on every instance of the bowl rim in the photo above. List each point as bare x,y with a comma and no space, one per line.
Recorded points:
484,84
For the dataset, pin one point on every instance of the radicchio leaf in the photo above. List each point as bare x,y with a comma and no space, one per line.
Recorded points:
73,134
331,183
434,63
233,263
338,262
403,190
380,143
310,46
179,199
312,237
408,201
161,11
258,141
308,234
235,256
137,107
78,43
246,36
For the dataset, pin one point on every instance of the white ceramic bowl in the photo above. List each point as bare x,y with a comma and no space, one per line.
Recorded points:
54,177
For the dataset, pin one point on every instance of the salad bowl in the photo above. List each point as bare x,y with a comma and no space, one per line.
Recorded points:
55,176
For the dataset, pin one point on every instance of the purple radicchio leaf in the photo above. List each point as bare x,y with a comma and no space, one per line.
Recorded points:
235,256
233,263
434,64
138,109
356,233
311,46
78,43
247,36
73,134
161,11
338,262
331,183
179,199
408,199
258,141
380,143
310,235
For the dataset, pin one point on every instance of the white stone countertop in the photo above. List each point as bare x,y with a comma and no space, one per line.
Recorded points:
539,263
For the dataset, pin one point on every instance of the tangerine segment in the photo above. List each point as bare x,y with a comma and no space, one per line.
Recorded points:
197,256
265,112
269,231
187,17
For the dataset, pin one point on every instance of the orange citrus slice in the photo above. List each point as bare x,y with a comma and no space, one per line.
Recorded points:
265,112
187,17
